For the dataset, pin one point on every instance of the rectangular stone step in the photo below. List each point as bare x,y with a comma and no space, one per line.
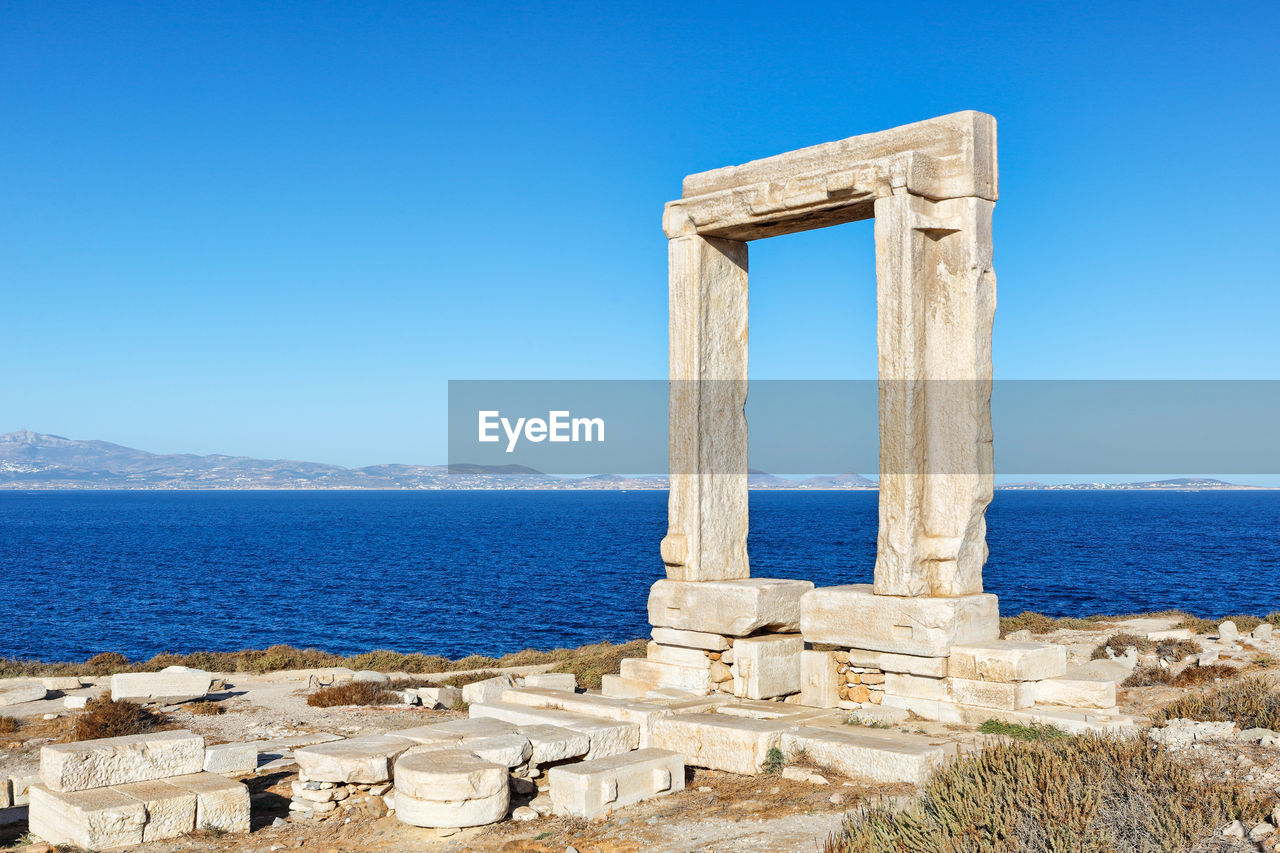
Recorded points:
691,639
608,737
1076,692
624,688
677,656
1007,660
718,742
666,675
94,819
221,804
364,760
171,811
120,760
880,757
591,704
592,788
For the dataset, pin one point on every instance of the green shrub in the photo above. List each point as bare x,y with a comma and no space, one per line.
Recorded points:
1035,731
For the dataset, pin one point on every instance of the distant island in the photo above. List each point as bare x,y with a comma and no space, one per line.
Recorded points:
30,461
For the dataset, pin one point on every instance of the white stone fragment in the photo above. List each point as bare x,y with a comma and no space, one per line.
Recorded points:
733,608
21,693
507,750
75,703
171,811
221,804
439,698
767,666
461,813
608,737
856,617
880,756
448,775
555,743
174,684
691,639
1076,692
1007,660
119,760
366,760
590,788
677,656
488,690
994,694
696,680
552,681
933,667
61,683
719,742
1262,632
231,759
96,819
1227,632
819,687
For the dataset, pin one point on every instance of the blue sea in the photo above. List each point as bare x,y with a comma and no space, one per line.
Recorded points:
455,573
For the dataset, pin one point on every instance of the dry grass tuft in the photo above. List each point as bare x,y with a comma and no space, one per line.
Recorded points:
1038,623
106,718
1086,794
1248,701
1148,676
1117,645
590,663
8,725
1197,676
205,708
351,693
1017,731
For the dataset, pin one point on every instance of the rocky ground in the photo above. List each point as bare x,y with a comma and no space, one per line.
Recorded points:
716,812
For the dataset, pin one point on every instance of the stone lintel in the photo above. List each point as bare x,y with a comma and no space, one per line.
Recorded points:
953,156
854,616
731,608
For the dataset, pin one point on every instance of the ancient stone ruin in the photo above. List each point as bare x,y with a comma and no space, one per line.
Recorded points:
924,636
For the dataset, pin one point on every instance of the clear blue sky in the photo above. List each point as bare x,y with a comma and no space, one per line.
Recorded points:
279,229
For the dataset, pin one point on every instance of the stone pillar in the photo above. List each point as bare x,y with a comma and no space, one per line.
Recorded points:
707,511
936,298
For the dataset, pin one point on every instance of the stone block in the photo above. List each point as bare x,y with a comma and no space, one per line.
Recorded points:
221,804
455,814
915,686
719,742
449,775
1005,696
617,687
867,754
604,707
932,667
19,786
61,683
1008,661
174,684
552,681
455,730
608,737
733,608
667,675
818,679
1076,692
439,698
6,793
590,788
1262,632
765,667
120,760
1170,634
231,759
691,639
855,617
96,819
75,703
488,690
554,743
171,811
507,750
21,693
938,710
677,656
367,760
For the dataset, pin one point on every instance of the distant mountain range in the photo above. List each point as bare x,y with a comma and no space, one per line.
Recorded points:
30,460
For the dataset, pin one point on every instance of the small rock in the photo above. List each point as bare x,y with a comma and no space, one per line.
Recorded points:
523,787
1235,829
1208,657
1023,636
379,790
705,789
1262,632
1261,831
653,821
524,813
75,703
277,823
816,779
1256,735
51,716
836,799
1227,632
571,849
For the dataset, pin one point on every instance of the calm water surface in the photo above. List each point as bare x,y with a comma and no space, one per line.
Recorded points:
492,572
